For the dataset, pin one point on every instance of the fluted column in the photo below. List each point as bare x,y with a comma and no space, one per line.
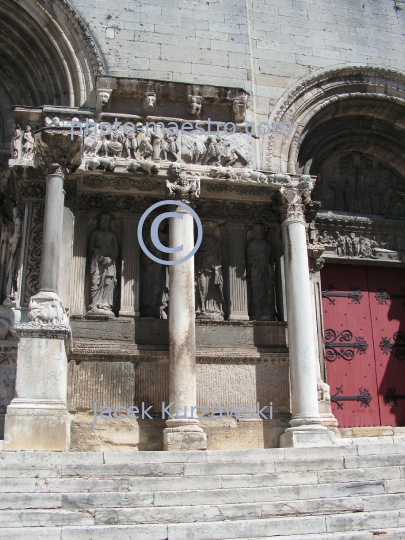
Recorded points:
306,428
129,305
78,271
237,272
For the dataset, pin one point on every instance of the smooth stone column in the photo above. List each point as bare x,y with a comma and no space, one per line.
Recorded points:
183,431
46,306
306,428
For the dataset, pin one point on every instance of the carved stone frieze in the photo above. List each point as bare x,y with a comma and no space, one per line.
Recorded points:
361,237
238,211
242,191
106,202
33,190
121,183
218,150
22,147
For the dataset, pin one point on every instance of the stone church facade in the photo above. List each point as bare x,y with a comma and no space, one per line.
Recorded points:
280,124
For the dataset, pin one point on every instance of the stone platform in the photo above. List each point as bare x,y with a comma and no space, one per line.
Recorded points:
354,490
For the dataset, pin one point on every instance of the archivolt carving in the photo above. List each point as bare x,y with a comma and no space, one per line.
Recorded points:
327,92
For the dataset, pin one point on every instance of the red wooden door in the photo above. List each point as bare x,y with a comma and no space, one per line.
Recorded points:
364,322
387,306
349,347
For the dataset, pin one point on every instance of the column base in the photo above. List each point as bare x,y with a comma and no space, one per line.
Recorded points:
41,424
184,435
306,437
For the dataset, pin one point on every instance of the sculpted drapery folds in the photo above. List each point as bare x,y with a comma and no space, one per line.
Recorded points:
208,269
261,274
103,250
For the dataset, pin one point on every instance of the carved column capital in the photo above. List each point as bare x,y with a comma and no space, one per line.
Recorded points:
57,151
294,199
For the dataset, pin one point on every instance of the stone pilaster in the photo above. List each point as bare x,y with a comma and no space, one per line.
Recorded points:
129,305
237,272
78,271
306,428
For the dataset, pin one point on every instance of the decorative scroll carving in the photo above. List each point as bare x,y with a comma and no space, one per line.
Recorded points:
341,345
34,248
181,187
261,274
106,202
103,250
121,183
237,211
208,269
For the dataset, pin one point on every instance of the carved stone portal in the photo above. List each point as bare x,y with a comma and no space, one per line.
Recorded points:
103,250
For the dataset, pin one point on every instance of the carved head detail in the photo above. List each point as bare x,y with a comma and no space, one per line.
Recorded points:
258,231
104,221
175,169
104,97
149,102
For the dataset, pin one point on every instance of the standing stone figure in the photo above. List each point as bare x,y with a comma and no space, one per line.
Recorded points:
28,146
155,282
208,270
260,273
103,250
13,252
17,143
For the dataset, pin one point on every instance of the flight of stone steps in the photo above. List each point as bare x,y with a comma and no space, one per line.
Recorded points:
351,491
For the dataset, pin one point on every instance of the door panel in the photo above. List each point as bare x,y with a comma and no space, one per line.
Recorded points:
387,306
349,345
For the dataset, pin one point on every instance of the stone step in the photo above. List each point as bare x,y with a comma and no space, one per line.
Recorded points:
319,527
389,534
188,514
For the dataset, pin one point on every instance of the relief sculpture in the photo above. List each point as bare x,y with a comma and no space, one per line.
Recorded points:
103,250
261,275
359,184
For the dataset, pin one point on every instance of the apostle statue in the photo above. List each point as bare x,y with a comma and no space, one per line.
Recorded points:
103,250
208,270
260,273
